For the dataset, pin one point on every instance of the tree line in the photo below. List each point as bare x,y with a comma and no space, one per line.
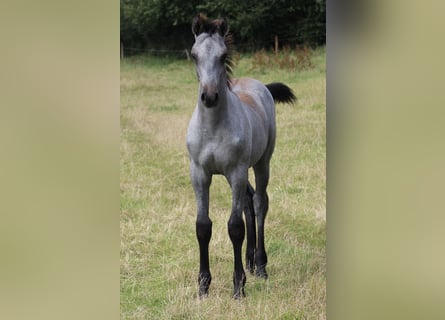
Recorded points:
166,24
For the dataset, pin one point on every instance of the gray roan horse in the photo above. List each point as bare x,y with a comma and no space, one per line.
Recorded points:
231,130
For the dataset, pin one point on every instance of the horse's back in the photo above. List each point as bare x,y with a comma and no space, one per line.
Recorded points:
255,95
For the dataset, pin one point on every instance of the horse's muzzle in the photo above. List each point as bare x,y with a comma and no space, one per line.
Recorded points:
209,98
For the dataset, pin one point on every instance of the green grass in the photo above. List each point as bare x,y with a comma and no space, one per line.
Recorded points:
159,251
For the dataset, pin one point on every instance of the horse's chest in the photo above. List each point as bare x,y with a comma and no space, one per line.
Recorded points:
219,152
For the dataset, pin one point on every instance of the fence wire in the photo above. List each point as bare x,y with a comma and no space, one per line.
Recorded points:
240,47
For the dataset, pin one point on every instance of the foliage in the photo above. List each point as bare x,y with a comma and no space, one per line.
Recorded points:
166,23
147,22
298,59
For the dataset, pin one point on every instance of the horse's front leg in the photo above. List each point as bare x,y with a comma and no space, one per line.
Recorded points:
238,182
201,184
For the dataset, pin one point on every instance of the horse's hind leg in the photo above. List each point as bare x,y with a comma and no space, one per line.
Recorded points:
261,205
251,229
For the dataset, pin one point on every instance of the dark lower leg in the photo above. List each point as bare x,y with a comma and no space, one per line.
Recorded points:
261,207
261,256
236,233
204,233
251,229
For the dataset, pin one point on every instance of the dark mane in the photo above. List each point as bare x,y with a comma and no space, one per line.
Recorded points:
201,24
228,40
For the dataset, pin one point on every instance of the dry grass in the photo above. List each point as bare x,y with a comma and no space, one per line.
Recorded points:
159,251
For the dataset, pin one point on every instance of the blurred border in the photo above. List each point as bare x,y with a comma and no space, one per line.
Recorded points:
385,160
59,162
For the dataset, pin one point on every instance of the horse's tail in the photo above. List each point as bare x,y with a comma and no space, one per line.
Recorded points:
281,93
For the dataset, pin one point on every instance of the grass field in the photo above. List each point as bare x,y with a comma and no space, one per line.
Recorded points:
159,251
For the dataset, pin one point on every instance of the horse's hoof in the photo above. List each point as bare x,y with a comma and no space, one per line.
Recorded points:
250,267
203,292
204,280
239,294
203,295
261,273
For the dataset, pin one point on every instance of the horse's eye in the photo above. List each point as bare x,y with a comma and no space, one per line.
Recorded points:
224,57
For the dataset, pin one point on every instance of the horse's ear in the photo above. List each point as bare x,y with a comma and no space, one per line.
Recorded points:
223,27
197,23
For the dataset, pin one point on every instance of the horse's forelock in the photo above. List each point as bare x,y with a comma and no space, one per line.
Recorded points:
201,24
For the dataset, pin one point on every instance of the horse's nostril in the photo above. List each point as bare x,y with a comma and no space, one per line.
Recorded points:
216,97
203,97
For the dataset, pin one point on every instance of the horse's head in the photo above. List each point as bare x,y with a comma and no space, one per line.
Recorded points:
210,54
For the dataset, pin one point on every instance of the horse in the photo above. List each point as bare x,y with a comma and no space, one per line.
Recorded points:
231,129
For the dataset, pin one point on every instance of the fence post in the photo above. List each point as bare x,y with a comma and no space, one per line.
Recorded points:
187,54
122,51
276,45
